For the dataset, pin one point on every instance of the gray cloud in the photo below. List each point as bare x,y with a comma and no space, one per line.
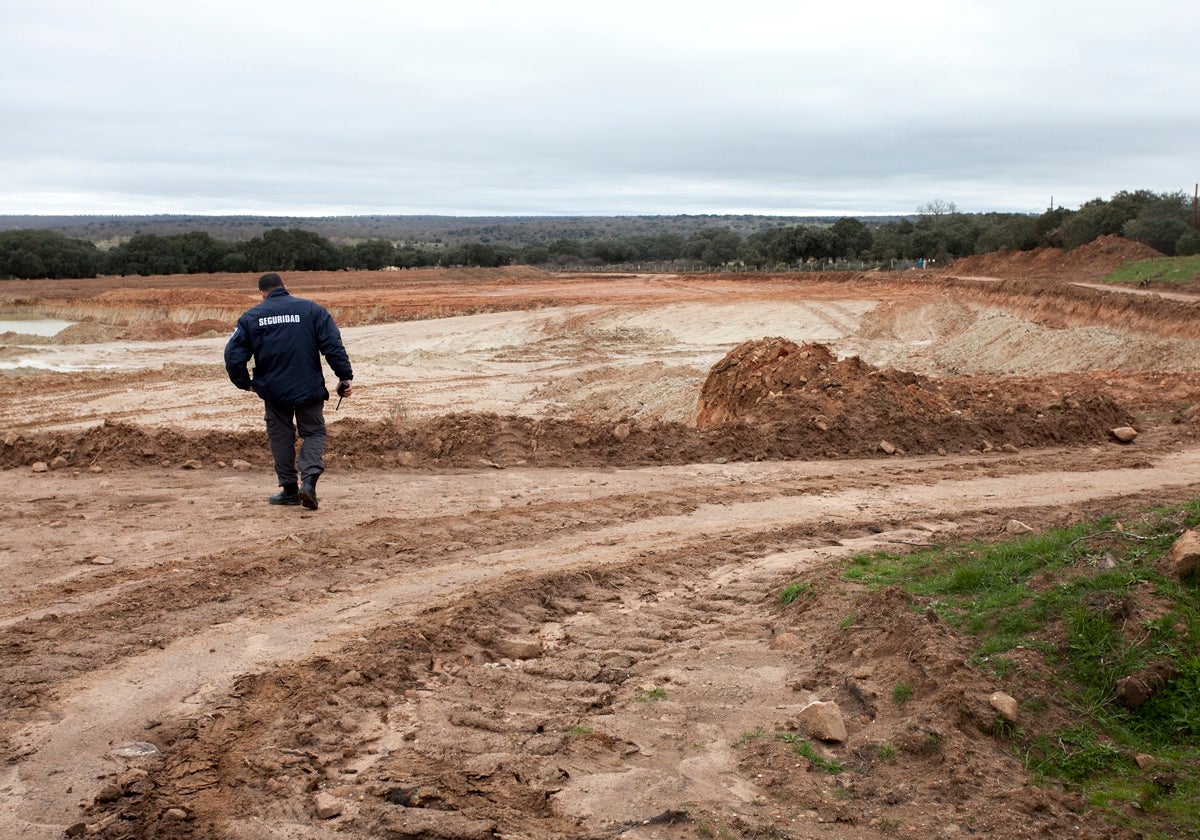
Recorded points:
538,107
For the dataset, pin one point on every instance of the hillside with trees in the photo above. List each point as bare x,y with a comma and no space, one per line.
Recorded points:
33,247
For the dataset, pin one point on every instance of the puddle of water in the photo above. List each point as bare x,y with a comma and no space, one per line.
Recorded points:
37,364
34,326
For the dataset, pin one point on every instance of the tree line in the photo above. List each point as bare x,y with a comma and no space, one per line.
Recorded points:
938,232
444,231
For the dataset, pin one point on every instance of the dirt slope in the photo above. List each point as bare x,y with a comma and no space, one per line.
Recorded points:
552,611
1095,259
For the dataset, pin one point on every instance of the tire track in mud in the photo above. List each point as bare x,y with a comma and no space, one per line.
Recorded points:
46,635
307,553
403,573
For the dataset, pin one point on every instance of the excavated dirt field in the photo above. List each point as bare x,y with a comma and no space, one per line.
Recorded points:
541,596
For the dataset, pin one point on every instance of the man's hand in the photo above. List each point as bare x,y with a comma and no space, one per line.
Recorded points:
343,390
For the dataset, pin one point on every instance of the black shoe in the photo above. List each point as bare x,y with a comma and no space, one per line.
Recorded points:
308,494
287,495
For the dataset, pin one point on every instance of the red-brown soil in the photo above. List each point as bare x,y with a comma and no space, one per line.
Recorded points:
1087,262
540,598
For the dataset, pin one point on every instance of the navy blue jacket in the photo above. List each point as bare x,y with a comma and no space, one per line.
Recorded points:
286,336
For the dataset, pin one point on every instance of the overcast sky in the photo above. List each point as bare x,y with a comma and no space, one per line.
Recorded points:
522,107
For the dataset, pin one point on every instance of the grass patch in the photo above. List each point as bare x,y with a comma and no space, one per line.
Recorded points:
801,746
1073,755
652,695
794,591
804,747
1048,595
901,693
1160,270
747,737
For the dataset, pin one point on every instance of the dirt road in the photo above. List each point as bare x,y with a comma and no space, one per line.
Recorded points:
537,601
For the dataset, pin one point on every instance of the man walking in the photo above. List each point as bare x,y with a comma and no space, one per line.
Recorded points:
286,337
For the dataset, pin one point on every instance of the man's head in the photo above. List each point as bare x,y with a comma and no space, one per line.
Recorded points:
268,282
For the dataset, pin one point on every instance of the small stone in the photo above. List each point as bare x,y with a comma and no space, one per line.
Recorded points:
822,720
131,776
408,459
239,464
109,793
516,648
1137,688
622,432
1005,705
191,464
1124,434
1008,447
327,806
1143,760
40,467
95,468
134,749
59,463
888,448
864,672
11,439
101,560
787,641
1185,554
1016,526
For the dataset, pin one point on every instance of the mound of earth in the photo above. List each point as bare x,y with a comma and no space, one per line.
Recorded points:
768,399
1095,259
88,331
806,391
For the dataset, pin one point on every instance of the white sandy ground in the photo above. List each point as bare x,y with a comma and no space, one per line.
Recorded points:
592,361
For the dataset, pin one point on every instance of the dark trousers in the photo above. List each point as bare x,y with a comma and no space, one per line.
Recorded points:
283,424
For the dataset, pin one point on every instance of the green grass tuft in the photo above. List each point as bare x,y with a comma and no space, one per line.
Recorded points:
807,750
793,591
